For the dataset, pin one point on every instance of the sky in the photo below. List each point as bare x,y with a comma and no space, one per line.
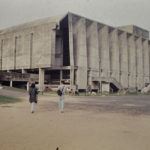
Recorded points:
110,12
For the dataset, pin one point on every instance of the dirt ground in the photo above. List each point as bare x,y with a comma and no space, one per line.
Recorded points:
88,123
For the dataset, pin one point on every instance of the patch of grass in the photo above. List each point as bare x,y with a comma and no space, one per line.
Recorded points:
6,99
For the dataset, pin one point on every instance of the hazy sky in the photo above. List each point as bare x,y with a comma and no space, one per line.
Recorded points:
111,12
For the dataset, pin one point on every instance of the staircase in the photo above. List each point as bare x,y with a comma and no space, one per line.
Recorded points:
108,80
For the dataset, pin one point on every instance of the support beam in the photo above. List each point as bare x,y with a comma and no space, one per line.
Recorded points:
28,86
114,54
23,71
132,61
1,54
104,52
61,75
146,61
140,69
124,59
71,50
81,52
92,51
11,83
41,79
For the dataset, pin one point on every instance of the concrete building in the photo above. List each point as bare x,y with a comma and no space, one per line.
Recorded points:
77,50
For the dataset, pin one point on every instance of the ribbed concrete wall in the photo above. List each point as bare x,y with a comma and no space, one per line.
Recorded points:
28,47
104,51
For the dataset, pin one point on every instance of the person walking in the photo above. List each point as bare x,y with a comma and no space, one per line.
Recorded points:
61,89
33,92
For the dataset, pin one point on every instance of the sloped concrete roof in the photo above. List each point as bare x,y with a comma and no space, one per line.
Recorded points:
53,20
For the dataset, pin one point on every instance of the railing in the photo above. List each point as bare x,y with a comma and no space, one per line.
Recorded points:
109,80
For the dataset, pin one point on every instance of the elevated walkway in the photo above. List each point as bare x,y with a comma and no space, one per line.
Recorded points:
13,76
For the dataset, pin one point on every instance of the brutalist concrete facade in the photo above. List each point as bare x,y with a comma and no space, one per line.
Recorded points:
79,50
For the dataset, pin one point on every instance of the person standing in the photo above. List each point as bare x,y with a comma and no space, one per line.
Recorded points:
61,87
33,92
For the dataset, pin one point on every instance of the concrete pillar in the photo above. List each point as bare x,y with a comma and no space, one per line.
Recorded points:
23,71
149,59
92,51
11,83
140,69
53,44
123,59
132,61
71,50
146,61
61,75
41,79
28,86
72,74
104,52
1,53
114,54
80,48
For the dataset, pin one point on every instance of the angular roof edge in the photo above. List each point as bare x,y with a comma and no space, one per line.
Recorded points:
52,19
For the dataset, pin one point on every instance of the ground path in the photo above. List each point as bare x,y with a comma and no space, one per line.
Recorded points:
88,123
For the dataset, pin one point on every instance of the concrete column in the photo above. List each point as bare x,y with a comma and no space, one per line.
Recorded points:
28,86
71,50
23,71
92,50
114,54
72,78
61,75
11,83
132,61
80,47
53,44
149,59
1,53
140,70
123,59
104,51
41,79
146,61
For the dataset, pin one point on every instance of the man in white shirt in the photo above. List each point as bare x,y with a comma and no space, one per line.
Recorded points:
62,88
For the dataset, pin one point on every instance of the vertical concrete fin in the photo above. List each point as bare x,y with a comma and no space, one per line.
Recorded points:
146,61
71,50
1,53
53,44
92,51
80,49
114,54
124,59
140,69
104,51
132,61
